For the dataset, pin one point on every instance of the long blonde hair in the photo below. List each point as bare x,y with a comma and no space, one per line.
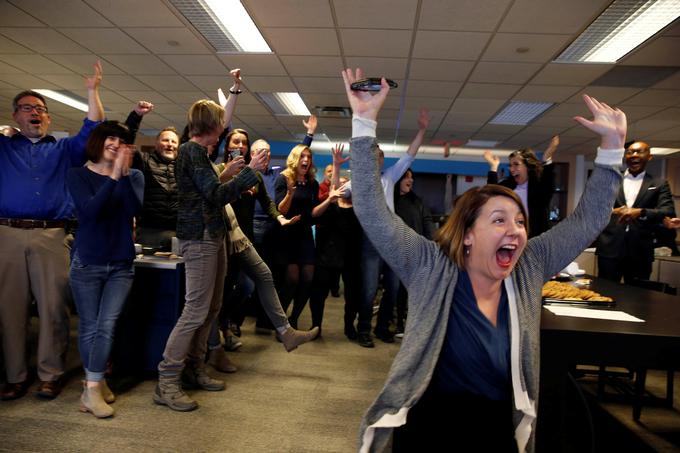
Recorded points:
293,161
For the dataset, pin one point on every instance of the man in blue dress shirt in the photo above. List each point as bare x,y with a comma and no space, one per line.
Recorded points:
35,209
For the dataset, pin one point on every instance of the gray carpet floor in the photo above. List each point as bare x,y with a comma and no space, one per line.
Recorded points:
310,400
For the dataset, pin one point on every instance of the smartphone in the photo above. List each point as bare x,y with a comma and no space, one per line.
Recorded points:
371,84
234,153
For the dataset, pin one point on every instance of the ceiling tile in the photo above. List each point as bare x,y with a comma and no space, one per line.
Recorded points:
535,48
445,70
124,82
551,16
556,122
324,85
165,83
254,64
35,64
636,112
610,95
104,40
164,40
485,106
544,93
140,64
302,41
64,13
14,17
9,69
659,52
473,120
337,100
655,97
489,72
670,134
383,43
463,15
84,64
489,91
108,96
43,40
431,103
128,13
252,110
576,74
429,45
375,14
312,66
672,114
290,13
392,68
145,95
649,127
10,47
270,84
67,82
433,88
196,64
182,97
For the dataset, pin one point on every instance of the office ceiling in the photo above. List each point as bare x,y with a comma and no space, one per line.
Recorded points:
462,59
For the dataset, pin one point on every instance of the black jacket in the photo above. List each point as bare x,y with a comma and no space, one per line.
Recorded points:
638,239
160,191
540,193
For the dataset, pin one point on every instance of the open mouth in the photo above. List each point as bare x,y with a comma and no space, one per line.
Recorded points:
505,254
35,122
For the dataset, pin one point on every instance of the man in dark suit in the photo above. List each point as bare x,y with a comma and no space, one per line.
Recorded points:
626,247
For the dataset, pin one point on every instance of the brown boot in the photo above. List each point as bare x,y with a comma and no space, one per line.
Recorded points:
107,394
92,401
292,338
169,392
219,360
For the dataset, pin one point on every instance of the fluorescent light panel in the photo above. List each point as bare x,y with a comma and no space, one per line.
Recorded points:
622,27
520,113
482,143
225,24
284,103
63,98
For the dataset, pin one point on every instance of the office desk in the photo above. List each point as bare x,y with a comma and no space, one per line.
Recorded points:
567,341
153,307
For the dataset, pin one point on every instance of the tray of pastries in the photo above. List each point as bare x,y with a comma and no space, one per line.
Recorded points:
555,292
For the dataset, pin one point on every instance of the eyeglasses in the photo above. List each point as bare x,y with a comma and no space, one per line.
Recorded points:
29,108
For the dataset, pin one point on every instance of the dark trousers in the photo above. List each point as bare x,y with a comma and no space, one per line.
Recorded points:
459,422
323,284
629,268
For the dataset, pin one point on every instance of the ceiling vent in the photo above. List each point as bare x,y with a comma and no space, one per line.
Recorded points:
333,112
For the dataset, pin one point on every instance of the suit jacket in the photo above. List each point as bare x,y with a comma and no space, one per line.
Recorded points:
638,240
540,193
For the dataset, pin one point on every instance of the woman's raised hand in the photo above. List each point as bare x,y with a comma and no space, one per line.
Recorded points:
363,103
493,161
608,123
336,152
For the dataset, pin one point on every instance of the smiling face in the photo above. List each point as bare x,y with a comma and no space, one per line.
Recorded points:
637,155
519,170
495,240
33,124
328,172
111,146
166,145
406,183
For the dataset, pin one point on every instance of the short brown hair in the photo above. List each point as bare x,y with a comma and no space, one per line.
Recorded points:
204,116
23,94
465,212
95,142
168,129
534,166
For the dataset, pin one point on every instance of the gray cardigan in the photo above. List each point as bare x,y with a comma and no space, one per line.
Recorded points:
430,277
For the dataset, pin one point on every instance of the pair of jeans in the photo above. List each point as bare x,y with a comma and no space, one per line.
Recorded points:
371,265
205,266
100,292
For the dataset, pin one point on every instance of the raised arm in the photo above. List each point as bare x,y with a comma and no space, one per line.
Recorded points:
404,250
494,162
229,103
95,109
423,122
134,119
310,125
564,242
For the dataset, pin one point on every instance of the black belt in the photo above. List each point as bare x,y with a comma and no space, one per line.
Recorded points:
29,224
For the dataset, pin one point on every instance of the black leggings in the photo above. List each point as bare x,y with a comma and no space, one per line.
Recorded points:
456,422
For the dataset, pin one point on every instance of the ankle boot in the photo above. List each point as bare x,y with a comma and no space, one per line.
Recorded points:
92,401
107,394
169,392
198,378
292,338
219,360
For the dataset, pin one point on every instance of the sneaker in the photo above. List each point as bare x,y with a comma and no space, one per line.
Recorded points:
235,329
364,339
232,343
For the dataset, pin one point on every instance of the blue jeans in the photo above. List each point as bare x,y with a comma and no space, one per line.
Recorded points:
100,292
371,265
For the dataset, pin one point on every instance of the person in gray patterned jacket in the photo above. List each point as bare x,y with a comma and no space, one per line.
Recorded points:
468,368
